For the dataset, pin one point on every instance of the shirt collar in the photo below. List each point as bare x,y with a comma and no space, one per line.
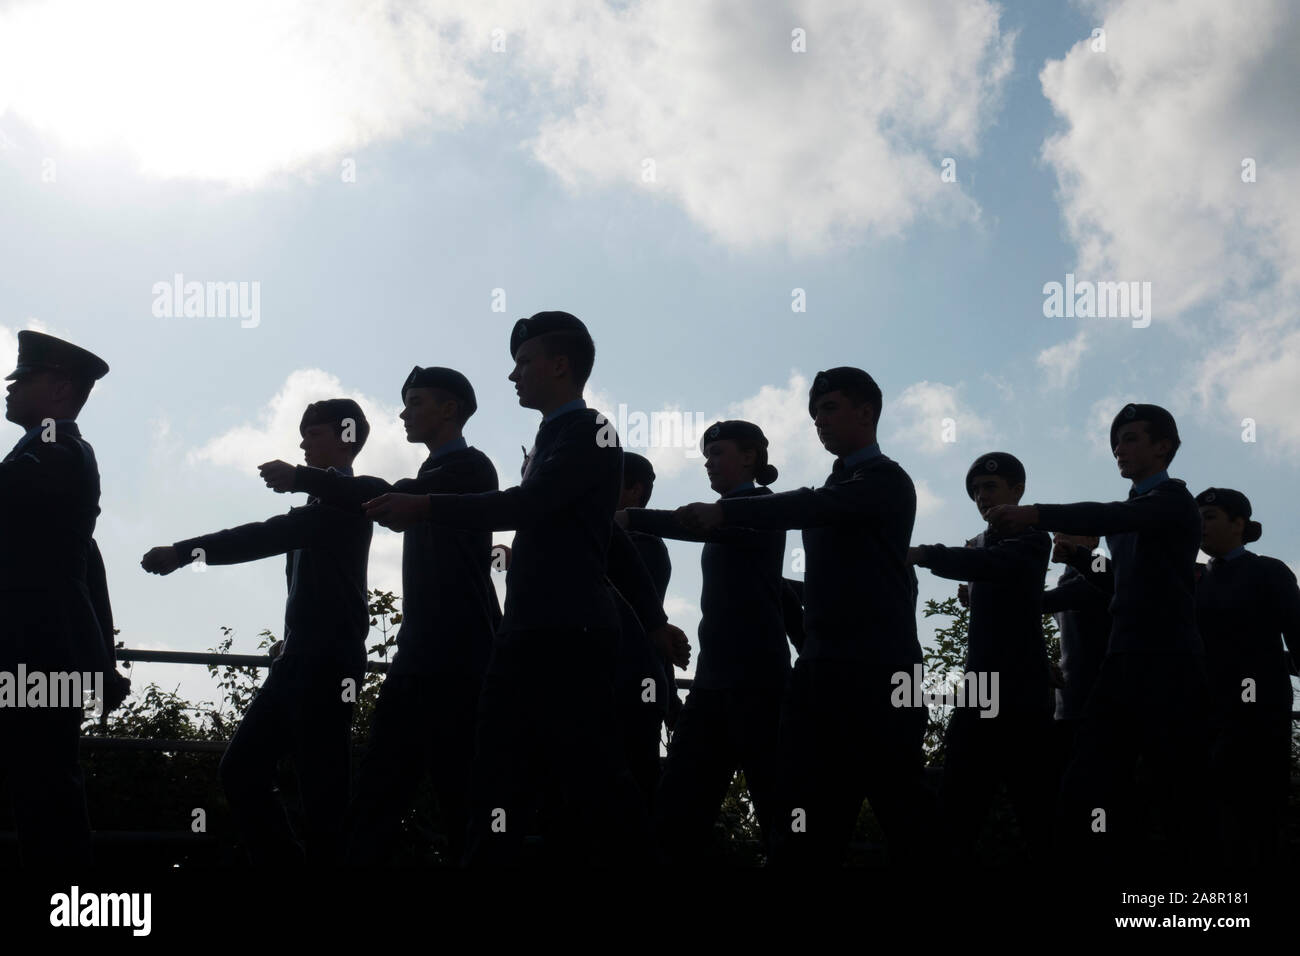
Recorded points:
861,455
1236,552
446,448
342,469
37,429
743,486
564,409
1146,484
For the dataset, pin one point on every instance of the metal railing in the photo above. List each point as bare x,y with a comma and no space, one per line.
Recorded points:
129,655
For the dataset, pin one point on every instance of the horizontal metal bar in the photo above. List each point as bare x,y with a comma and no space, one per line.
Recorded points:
150,656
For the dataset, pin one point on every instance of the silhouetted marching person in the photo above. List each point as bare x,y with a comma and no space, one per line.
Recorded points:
547,702
1151,696
638,485
304,707
1246,605
642,690
49,500
1082,613
424,718
1001,737
841,739
732,715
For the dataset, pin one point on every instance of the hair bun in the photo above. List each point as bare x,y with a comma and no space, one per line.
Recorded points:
766,475
1252,532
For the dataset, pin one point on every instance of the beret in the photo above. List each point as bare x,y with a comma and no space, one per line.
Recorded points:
842,377
447,379
544,323
1141,413
332,411
1235,505
995,463
733,431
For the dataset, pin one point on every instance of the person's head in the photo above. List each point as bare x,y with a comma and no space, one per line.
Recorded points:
52,379
1225,521
333,433
996,478
638,481
436,404
1144,440
554,355
735,452
845,405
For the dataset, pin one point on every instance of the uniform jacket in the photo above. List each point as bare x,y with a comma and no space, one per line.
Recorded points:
326,549
1245,608
49,501
1006,574
562,513
742,626
859,590
1153,540
449,604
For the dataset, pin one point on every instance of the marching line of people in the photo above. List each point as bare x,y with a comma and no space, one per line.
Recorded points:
1173,703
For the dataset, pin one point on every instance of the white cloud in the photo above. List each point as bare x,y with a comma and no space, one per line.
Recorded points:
1100,415
780,410
1150,167
919,418
757,143
1157,127
1061,361
1254,375
236,90
793,446
384,571
274,434
927,502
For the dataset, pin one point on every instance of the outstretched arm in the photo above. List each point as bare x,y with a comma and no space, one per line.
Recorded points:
347,491
666,524
300,528
563,476
1092,517
1012,557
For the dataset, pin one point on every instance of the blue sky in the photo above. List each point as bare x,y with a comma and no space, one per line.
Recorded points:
503,146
